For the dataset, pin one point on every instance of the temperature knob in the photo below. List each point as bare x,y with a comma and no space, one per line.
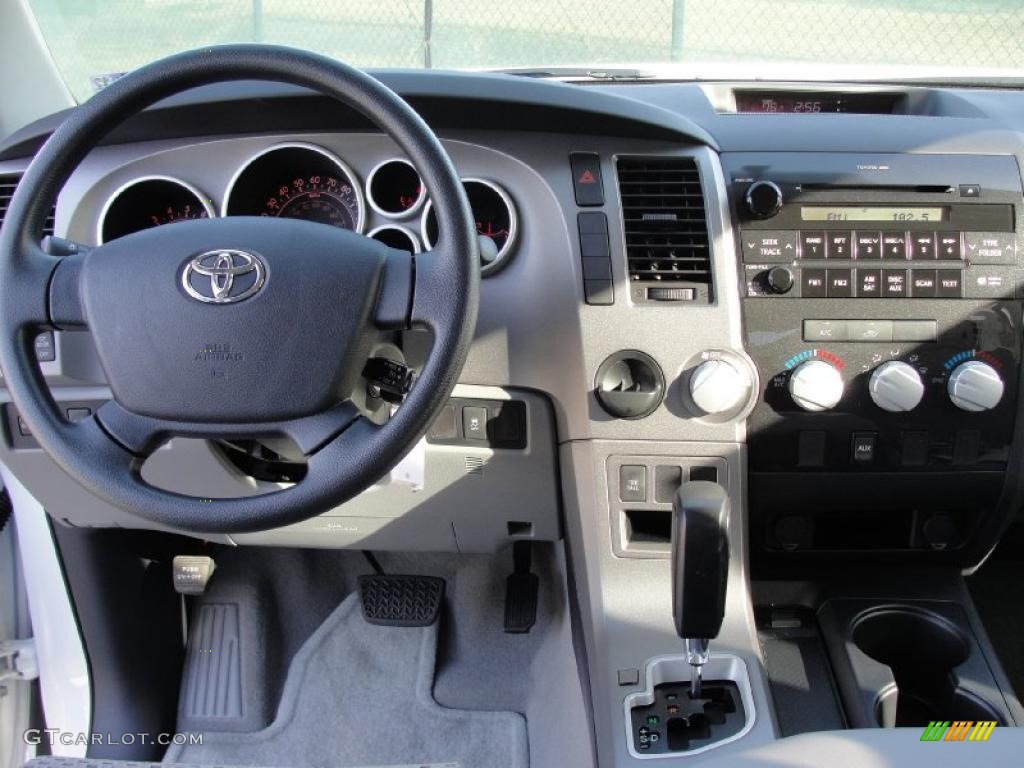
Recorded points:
895,386
816,386
763,199
719,386
975,386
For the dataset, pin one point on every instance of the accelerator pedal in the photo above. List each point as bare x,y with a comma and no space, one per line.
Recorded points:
396,600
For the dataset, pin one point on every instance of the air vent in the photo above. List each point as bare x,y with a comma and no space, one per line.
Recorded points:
7,185
665,225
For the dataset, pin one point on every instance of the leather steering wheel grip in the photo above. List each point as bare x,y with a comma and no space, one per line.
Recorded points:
442,287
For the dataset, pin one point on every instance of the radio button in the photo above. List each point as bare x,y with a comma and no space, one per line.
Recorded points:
840,245
894,283
869,245
840,283
922,283
812,245
991,247
812,284
949,246
894,245
773,247
869,283
869,330
922,246
949,283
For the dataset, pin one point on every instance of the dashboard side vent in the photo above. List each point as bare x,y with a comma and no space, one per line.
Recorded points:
664,219
7,184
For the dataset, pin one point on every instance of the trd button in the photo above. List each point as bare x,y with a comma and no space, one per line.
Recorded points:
863,451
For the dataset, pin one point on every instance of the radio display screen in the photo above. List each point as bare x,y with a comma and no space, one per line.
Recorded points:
873,213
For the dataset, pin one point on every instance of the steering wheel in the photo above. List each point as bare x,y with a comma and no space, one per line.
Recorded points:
235,327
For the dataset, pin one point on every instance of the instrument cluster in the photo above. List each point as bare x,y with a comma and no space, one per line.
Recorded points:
305,181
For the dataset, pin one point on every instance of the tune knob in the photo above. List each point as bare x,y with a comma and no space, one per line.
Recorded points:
780,280
816,386
719,386
975,386
896,387
763,199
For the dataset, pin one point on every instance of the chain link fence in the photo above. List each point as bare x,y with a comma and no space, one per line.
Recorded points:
92,38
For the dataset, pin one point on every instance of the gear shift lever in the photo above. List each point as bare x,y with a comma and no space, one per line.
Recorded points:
700,569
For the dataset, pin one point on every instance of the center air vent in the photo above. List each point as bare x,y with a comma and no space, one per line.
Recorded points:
7,185
665,227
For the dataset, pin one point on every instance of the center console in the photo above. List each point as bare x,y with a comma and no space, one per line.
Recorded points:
881,303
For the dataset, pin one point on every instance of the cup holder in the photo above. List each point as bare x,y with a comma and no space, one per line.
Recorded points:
923,650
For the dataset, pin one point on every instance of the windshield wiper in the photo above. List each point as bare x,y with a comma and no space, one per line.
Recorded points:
580,73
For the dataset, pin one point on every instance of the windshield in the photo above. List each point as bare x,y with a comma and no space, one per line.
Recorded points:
93,40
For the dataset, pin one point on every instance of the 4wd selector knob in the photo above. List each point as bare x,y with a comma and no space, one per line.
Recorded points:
895,386
975,386
816,386
763,199
719,386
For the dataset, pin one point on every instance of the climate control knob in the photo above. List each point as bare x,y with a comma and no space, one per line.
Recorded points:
896,387
975,386
816,386
719,386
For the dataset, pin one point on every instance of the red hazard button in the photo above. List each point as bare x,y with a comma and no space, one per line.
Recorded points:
586,178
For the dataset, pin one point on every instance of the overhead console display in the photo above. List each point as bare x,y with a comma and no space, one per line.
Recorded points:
816,102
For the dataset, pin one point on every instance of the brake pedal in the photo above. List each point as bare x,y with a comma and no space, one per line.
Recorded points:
396,600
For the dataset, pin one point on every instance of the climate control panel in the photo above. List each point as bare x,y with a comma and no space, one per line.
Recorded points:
933,392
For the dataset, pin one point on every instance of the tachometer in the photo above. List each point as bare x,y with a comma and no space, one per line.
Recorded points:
150,201
297,181
496,221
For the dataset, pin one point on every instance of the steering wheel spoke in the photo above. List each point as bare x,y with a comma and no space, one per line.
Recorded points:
141,435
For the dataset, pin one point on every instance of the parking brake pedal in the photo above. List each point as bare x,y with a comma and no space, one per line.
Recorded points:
521,591
395,600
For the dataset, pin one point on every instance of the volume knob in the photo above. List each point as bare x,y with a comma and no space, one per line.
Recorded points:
816,386
896,387
975,386
763,199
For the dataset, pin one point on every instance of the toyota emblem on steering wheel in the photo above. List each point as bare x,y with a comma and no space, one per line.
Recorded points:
223,276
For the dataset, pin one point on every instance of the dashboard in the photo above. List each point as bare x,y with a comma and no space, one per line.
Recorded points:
817,290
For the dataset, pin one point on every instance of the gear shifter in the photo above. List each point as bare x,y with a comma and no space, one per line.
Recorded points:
700,569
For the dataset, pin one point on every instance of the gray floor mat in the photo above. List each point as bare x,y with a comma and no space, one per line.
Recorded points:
358,694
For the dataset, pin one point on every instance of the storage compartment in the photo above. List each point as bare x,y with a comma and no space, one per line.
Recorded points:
907,664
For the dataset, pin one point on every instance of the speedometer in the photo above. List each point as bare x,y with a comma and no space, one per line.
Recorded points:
297,181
